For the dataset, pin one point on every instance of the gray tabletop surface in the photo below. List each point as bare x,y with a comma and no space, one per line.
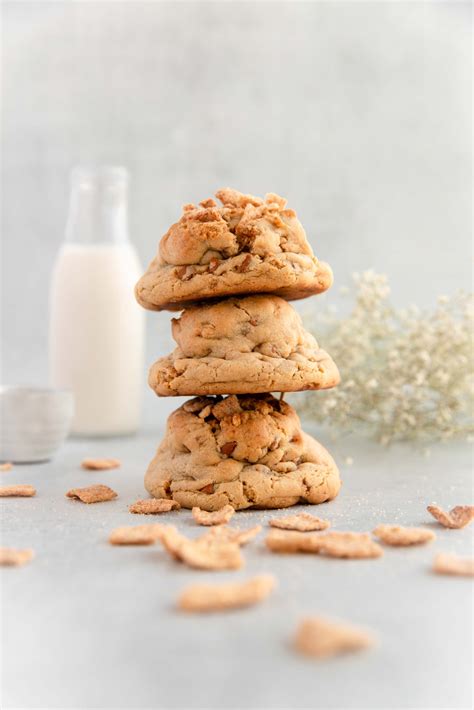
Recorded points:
89,625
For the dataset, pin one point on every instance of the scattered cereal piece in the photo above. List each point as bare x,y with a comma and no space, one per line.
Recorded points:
215,597
348,545
25,491
92,494
203,553
100,464
152,506
445,563
227,534
458,517
398,536
136,534
7,466
322,638
291,541
304,522
218,517
14,558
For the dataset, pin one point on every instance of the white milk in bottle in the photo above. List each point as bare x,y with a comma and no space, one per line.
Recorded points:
96,326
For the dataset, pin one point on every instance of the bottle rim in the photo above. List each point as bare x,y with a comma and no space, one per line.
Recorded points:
99,174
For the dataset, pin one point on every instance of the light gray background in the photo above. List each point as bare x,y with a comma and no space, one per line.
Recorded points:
358,112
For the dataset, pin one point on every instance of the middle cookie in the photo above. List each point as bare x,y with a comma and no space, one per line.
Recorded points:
242,346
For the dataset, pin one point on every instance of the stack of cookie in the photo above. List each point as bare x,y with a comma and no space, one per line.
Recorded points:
232,268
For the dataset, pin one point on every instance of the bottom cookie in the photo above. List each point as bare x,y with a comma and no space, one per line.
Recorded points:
247,451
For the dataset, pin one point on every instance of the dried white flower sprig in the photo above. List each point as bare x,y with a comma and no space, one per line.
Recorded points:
406,374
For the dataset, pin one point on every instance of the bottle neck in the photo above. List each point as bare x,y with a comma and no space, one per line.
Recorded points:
98,206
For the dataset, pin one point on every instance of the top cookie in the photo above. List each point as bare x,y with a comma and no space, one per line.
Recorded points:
248,245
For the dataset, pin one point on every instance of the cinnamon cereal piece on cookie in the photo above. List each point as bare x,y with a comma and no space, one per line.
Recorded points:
399,536
303,522
458,517
218,517
100,464
203,553
445,563
218,597
321,638
23,491
153,506
92,494
136,534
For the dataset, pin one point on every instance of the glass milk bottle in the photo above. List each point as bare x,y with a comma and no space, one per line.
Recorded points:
96,326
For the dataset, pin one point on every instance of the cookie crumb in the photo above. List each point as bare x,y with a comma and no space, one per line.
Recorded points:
399,536
217,597
153,506
10,557
203,553
23,491
92,494
136,534
100,464
458,517
7,466
218,517
322,638
303,522
445,563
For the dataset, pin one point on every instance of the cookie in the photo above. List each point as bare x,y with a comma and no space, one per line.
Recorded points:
242,346
247,245
246,451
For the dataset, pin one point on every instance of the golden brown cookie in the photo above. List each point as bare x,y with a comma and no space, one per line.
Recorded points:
242,346
247,245
247,451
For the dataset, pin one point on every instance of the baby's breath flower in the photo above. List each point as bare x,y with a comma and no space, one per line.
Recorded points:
406,374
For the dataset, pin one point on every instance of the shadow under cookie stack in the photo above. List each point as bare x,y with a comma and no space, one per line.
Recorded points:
232,268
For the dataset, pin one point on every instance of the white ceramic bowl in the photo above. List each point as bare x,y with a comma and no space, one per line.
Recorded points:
33,422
